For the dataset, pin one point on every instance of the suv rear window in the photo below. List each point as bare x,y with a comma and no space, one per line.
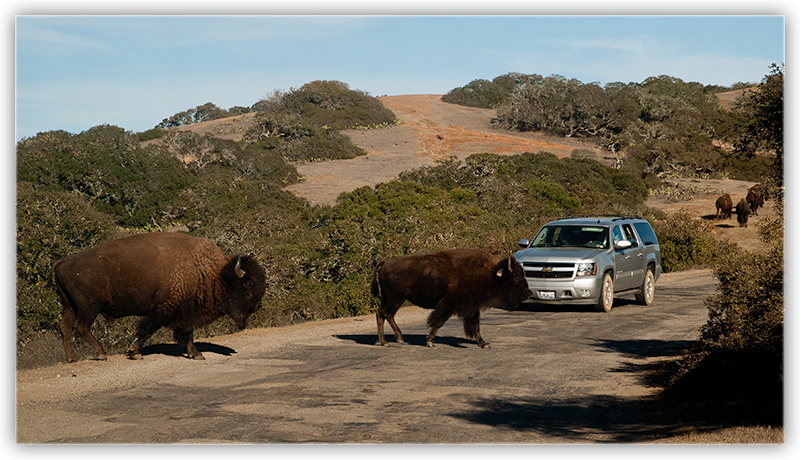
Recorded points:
646,232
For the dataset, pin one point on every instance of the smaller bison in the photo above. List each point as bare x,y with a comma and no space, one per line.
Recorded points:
458,282
724,206
755,198
742,212
171,279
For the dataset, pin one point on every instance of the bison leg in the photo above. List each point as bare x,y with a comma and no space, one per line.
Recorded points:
67,325
185,338
70,320
146,328
440,314
85,329
387,310
472,328
398,336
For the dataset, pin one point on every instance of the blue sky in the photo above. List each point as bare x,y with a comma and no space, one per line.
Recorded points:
76,72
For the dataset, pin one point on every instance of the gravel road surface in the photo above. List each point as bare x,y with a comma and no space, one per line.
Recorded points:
552,375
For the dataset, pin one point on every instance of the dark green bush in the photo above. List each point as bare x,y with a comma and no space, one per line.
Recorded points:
51,224
150,134
688,243
334,104
740,357
106,165
487,94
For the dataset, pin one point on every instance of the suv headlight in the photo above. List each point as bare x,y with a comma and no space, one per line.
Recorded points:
586,269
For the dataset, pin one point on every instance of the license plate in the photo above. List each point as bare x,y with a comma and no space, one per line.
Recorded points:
547,295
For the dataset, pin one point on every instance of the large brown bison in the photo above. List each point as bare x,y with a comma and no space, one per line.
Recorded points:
724,206
755,198
460,281
171,279
742,212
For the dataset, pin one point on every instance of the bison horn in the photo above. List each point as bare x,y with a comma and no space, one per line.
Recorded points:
238,268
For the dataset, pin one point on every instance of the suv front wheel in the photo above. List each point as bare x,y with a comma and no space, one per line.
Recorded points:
606,294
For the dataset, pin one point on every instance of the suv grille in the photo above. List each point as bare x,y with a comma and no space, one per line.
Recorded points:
548,269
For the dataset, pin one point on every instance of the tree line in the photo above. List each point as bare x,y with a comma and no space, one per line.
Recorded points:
658,128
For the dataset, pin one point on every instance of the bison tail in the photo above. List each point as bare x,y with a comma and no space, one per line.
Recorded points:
375,289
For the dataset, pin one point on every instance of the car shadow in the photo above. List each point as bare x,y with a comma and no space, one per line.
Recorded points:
562,308
174,349
411,339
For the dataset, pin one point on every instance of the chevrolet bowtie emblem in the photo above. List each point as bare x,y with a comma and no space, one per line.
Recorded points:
547,269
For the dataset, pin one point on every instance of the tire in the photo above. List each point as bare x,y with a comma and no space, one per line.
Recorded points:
648,290
606,300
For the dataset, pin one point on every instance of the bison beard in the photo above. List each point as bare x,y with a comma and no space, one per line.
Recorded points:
171,279
460,281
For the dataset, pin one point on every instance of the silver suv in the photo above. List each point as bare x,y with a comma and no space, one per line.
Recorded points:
586,260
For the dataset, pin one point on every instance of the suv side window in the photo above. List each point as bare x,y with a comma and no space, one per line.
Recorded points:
630,235
617,235
646,232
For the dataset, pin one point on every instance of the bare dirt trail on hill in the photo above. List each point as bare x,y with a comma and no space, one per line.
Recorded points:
431,130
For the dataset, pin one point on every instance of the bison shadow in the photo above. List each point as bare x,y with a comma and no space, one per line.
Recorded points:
411,339
174,349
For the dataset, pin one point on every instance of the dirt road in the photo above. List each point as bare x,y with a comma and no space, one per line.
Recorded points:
552,376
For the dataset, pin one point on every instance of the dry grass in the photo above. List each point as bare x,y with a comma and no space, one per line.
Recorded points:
734,435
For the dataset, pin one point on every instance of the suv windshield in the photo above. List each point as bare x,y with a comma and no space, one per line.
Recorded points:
560,236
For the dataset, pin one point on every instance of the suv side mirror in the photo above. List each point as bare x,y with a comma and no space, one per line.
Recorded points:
623,244
524,243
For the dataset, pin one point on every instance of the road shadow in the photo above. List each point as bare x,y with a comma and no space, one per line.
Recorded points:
612,419
645,348
621,419
173,349
654,374
411,339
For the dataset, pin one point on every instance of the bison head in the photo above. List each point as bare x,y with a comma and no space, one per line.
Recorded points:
511,277
245,284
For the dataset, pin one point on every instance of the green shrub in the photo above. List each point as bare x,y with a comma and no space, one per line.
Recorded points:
740,357
334,104
487,94
687,243
150,134
51,224
106,165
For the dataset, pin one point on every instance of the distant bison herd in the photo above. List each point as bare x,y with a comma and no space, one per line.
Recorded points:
744,208
183,282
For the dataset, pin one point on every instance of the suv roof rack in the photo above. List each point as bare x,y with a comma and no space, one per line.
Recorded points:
601,216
